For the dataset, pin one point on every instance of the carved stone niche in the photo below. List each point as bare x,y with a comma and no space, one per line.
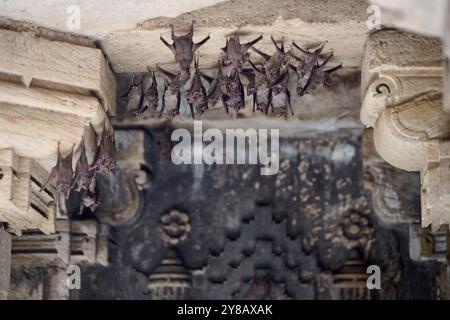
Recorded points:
50,92
402,80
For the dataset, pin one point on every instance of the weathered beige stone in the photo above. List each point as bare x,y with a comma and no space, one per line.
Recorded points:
402,79
73,242
22,205
5,262
55,65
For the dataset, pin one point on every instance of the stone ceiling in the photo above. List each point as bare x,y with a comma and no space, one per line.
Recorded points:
129,32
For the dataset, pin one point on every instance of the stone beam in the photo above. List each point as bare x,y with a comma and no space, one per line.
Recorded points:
39,62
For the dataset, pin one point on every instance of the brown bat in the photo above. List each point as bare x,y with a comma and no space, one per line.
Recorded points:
197,97
83,177
308,61
318,76
183,47
134,97
281,97
305,66
171,84
236,52
257,87
62,172
228,87
89,200
105,155
150,100
277,64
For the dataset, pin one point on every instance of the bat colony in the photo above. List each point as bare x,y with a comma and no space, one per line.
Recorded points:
267,83
83,179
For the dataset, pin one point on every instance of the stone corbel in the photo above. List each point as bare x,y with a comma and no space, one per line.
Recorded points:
402,79
50,92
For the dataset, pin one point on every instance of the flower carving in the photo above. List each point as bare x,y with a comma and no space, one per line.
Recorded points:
175,226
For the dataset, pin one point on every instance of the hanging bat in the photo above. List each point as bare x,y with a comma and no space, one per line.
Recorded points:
257,87
197,97
183,47
308,61
281,97
62,172
150,100
277,64
171,101
89,200
105,155
83,176
305,67
134,96
228,87
236,52
318,76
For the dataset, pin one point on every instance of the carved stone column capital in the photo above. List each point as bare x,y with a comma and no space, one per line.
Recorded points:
402,81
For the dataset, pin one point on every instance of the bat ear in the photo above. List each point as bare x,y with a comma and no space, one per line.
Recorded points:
191,31
327,60
196,62
275,43
339,66
319,50
172,30
59,151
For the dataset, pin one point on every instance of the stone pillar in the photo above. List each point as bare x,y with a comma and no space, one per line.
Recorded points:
5,262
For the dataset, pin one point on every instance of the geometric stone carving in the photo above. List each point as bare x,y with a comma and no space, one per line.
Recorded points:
402,101
22,206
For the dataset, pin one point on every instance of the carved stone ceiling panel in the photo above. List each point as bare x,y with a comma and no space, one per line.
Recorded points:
226,232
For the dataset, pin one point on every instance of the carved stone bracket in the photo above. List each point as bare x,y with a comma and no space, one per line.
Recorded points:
50,92
402,80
